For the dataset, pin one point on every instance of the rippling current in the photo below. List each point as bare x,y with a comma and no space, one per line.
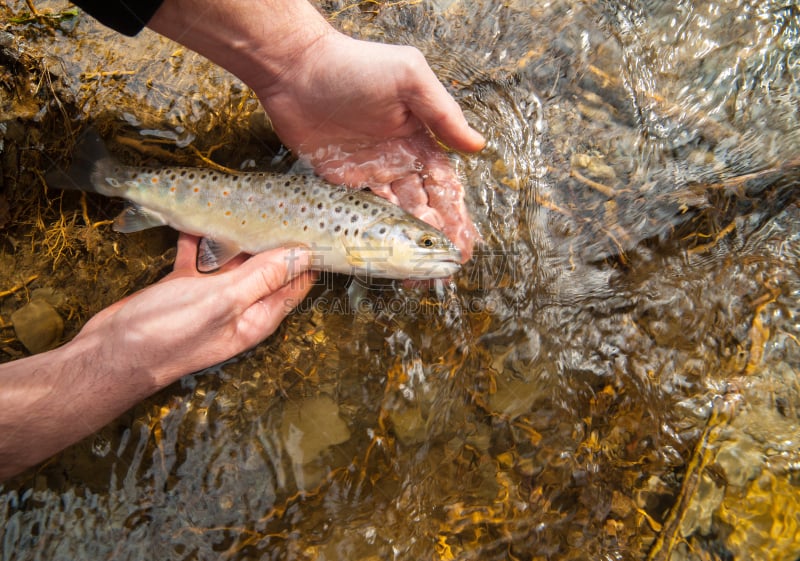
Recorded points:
614,376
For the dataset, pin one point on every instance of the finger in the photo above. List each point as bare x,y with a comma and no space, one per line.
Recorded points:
233,263
383,162
186,258
267,272
284,300
446,195
410,192
386,192
438,111
262,317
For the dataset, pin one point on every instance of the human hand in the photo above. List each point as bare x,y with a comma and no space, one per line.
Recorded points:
189,321
363,114
130,350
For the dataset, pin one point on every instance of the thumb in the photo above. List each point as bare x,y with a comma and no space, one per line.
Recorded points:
266,273
440,113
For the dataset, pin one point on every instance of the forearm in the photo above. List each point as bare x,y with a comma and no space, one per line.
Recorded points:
258,41
184,323
54,399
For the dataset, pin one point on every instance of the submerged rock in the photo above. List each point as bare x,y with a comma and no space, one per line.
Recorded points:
308,428
38,326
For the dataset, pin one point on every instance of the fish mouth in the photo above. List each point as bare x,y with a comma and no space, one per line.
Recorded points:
452,254
436,264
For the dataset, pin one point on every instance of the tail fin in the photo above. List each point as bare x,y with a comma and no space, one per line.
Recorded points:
90,155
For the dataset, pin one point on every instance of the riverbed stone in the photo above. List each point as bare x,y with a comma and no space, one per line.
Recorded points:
38,326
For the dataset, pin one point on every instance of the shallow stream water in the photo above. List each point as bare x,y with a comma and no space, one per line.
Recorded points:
615,375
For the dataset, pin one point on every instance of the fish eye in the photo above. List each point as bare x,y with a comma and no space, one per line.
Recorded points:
426,241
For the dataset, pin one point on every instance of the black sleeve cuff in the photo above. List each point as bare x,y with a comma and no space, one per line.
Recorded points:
126,16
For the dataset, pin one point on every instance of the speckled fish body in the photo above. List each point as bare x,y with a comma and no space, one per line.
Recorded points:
351,232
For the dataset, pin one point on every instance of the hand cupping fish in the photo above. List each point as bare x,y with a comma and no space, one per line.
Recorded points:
347,231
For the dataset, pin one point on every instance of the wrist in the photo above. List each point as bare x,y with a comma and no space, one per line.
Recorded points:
51,400
258,43
104,361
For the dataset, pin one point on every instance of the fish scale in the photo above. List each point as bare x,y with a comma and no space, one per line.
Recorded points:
347,231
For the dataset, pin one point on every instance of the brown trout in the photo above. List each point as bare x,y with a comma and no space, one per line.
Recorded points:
347,231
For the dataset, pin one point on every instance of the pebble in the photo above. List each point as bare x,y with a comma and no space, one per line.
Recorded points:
38,326
6,39
310,426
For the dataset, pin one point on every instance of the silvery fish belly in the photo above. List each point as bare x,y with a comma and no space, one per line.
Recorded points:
350,232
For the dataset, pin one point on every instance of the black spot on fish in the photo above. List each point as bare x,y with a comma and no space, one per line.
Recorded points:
382,230
305,228
374,212
172,177
202,176
356,232
214,178
365,205
191,176
287,184
296,190
183,173
354,218
321,225
338,228
319,206
302,209
345,231
337,210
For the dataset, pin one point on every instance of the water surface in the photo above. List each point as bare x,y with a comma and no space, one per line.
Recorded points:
614,376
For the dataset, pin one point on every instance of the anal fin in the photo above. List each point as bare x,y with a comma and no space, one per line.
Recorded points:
213,254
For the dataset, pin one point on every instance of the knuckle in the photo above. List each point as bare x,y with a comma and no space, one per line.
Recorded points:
271,277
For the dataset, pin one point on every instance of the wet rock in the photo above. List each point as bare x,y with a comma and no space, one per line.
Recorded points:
52,296
409,425
6,39
514,397
38,326
308,428
700,514
594,167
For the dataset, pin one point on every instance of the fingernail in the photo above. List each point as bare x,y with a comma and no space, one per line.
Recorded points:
479,137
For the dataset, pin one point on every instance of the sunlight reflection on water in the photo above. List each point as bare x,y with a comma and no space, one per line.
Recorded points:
614,376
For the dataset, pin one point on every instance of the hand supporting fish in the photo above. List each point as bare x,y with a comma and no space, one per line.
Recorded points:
349,126
412,173
387,147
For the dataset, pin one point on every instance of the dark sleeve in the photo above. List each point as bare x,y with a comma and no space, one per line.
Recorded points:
126,17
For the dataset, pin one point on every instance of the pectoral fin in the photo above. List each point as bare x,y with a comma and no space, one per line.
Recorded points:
213,254
135,219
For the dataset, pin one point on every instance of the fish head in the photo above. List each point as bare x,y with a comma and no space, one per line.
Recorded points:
407,248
